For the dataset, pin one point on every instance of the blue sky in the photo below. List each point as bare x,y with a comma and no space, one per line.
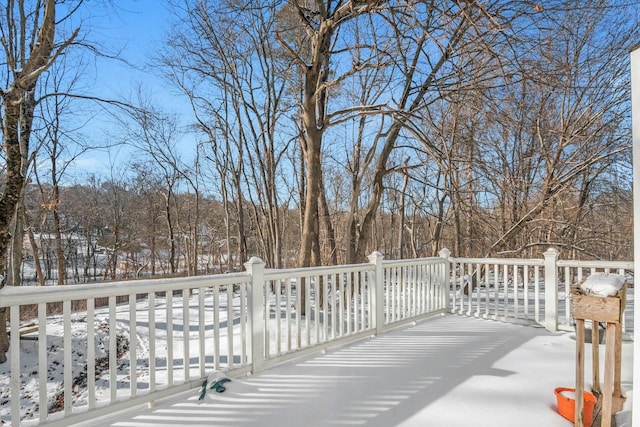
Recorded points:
135,28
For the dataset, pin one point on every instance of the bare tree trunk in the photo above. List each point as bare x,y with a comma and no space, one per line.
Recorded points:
328,225
401,209
16,250
170,231
34,249
313,143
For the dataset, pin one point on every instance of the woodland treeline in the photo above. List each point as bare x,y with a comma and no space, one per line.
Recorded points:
320,131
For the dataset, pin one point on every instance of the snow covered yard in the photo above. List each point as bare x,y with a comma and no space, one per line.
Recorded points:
442,372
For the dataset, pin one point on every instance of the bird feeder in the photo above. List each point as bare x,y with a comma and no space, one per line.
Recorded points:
601,298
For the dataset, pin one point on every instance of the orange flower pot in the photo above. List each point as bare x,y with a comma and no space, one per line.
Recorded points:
567,404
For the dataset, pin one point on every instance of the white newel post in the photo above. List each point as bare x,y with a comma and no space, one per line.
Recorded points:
635,109
378,301
551,290
446,275
255,296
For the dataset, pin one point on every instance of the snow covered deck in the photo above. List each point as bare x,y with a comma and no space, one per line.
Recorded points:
445,371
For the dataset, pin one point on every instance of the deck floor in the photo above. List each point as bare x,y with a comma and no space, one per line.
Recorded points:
442,372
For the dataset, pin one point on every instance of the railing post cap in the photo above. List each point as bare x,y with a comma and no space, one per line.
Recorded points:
375,256
253,262
551,252
444,253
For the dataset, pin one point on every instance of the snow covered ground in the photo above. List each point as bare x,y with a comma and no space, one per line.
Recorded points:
446,371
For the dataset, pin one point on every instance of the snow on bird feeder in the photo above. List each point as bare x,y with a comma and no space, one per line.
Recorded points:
603,284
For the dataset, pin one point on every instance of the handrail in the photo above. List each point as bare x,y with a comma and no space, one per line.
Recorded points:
16,295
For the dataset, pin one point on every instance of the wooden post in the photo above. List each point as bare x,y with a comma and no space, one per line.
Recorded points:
578,421
617,386
595,356
607,390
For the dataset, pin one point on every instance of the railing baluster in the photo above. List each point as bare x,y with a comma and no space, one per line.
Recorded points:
349,302
244,357
317,308
14,350
415,279
186,329
325,308
91,353
422,284
307,305
516,294
334,303
405,291
525,287
216,328
496,292
169,314
230,352
42,361
201,329
505,281
478,289
113,368
278,317
567,292
469,289
487,285
410,288
364,309
341,301
133,344
152,341
298,311
288,313
536,293
68,357
397,292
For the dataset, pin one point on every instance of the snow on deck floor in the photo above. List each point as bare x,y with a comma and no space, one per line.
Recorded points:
445,371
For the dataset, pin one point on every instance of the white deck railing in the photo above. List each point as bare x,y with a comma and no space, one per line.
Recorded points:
96,349
516,290
101,348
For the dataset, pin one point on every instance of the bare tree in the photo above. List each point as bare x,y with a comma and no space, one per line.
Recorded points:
29,48
572,108
235,79
320,21
155,135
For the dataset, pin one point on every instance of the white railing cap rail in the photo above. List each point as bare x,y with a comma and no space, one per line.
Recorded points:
409,262
273,274
501,261
21,295
628,265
